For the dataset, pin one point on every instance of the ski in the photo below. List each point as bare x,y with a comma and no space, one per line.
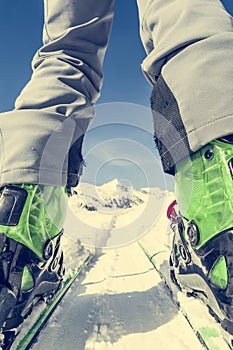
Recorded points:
31,328
157,248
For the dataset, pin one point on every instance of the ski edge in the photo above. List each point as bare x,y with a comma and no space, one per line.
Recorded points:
200,333
30,338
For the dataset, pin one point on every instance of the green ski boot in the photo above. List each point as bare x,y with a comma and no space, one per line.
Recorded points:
31,260
202,253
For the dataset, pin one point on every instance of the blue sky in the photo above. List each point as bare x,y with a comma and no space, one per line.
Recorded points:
120,142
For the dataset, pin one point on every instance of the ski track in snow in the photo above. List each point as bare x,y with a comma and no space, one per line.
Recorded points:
120,304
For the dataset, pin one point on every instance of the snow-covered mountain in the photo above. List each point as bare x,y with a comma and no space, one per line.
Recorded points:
113,214
113,195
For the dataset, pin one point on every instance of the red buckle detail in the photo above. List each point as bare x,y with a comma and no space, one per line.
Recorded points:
171,213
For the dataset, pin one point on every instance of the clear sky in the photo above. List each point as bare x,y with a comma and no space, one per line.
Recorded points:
120,143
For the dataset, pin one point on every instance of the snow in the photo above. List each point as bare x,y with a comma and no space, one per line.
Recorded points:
113,215
121,302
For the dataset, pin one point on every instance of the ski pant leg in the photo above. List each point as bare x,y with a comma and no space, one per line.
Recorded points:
189,45
41,138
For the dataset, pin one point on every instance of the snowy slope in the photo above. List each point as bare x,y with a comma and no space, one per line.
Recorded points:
113,215
121,303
